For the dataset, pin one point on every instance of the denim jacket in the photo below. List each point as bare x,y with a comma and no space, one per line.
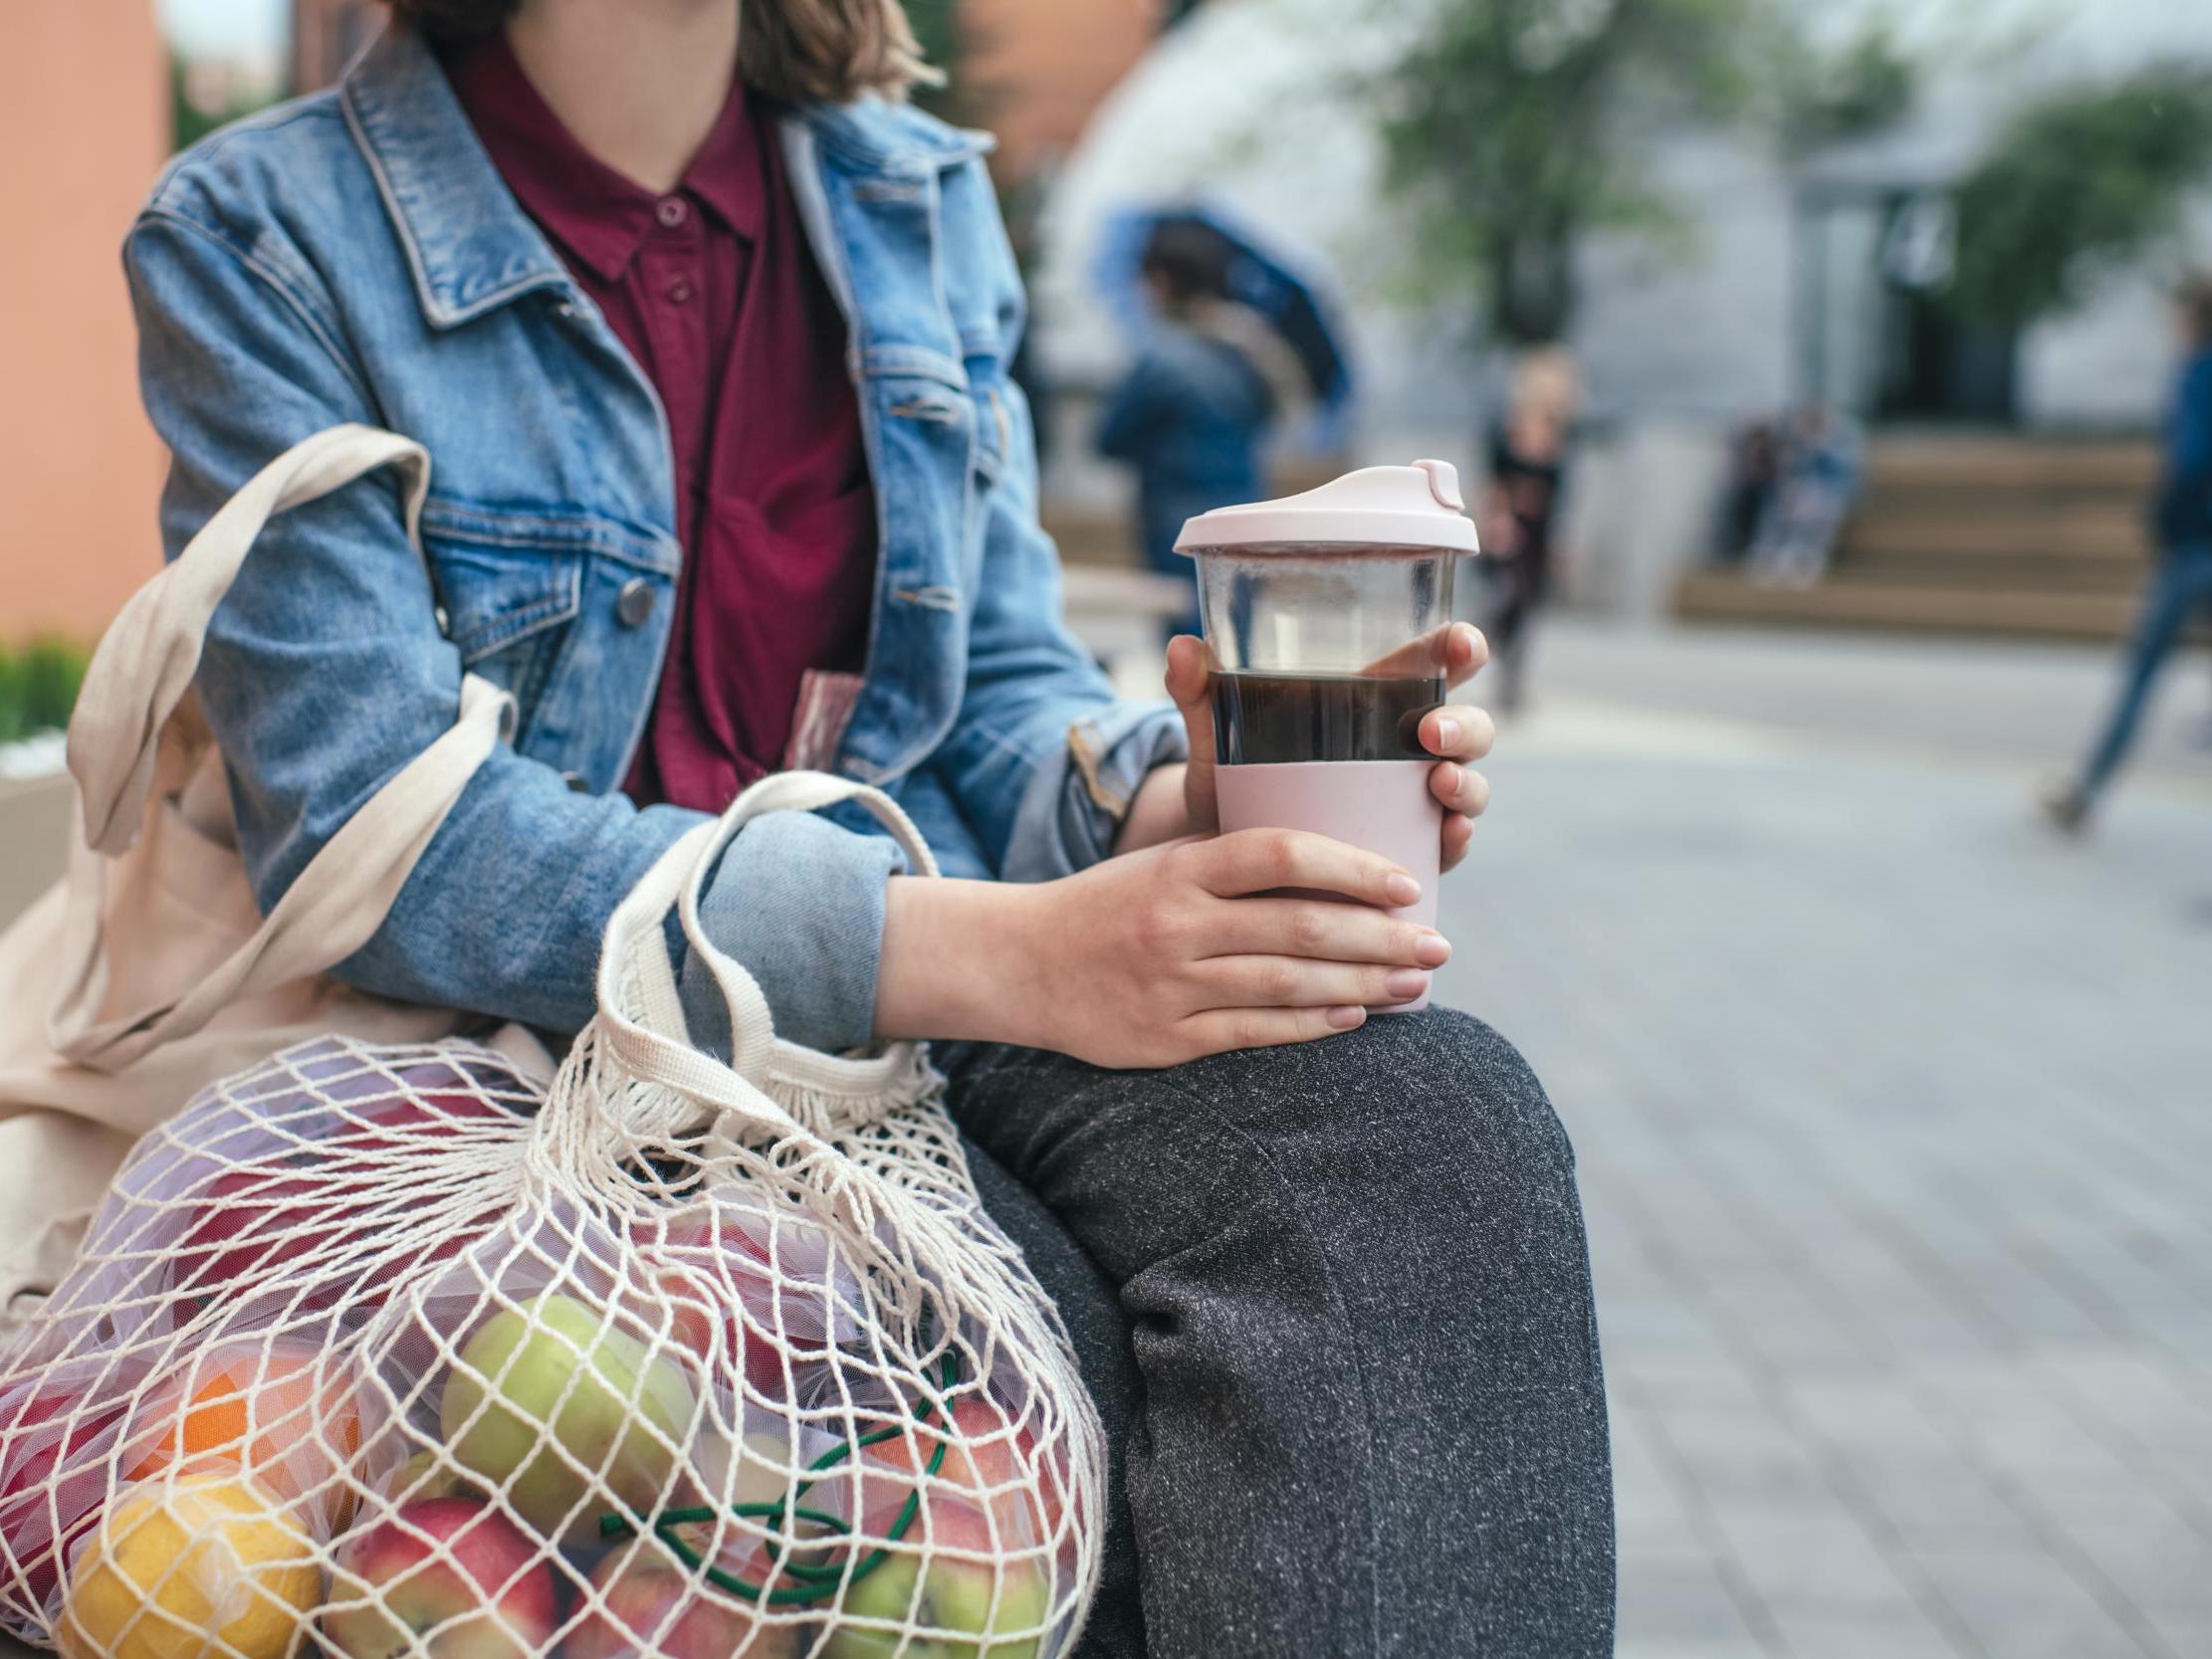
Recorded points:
353,256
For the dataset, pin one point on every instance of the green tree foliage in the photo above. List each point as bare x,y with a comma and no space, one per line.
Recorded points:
944,35
1514,128
190,122
2075,184
38,685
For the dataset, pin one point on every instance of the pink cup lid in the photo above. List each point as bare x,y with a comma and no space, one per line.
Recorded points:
1397,507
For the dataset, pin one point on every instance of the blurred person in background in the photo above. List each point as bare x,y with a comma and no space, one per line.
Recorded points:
1191,415
1818,476
1754,468
707,334
2181,589
1519,509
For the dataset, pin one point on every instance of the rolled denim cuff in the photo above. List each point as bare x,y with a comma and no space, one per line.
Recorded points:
1077,799
799,902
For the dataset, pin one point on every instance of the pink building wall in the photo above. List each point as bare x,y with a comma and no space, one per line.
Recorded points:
84,128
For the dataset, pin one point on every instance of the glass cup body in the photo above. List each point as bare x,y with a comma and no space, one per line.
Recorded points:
1324,650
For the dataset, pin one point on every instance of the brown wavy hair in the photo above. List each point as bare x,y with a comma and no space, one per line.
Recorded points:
800,51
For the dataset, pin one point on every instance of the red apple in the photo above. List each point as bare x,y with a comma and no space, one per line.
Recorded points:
712,1266
250,1219
987,1456
651,1606
390,1125
450,1573
254,1221
46,1503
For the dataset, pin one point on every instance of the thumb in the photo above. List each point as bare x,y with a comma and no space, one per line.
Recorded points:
1190,683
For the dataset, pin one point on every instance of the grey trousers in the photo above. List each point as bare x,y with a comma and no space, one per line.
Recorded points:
1334,1303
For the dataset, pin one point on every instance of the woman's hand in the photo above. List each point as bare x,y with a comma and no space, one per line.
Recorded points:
1157,956
1456,733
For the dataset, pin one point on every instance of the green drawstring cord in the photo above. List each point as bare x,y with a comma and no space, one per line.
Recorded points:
817,1581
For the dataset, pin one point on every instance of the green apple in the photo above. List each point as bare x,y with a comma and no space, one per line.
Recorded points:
428,1474
954,1600
556,1377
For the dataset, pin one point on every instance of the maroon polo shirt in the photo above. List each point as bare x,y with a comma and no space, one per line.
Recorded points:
713,288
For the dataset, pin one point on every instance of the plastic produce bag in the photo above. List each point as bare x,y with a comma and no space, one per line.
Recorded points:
374,1352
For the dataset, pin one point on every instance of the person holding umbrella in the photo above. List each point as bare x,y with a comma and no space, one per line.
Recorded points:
1194,411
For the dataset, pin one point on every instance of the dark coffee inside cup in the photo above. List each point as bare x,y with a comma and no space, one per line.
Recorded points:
1270,719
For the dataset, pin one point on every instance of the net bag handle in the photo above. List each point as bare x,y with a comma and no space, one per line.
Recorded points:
768,1089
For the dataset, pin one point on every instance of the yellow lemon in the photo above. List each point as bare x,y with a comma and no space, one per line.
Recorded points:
193,1567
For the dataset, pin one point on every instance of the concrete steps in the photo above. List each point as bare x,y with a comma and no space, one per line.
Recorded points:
1971,535
1907,607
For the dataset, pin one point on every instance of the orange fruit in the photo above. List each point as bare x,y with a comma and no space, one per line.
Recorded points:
280,1410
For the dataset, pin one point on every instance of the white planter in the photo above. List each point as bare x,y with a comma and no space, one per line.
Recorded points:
37,817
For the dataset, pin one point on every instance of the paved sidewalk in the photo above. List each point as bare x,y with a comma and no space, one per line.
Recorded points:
1894,1121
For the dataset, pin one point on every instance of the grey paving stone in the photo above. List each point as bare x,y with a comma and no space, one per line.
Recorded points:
1942,1501
1693,1379
1678,1595
1896,1631
1807,1549
2159,1561
1733,1453
2021,1608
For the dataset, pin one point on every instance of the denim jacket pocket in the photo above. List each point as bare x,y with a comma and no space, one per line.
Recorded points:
503,600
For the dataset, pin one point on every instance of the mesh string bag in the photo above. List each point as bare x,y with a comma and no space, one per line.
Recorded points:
374,1352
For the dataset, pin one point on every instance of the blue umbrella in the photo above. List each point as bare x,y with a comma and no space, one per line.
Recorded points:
1301,308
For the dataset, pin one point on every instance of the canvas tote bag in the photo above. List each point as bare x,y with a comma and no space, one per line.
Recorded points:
148,970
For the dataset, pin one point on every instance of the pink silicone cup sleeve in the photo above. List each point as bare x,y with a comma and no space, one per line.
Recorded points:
1382,806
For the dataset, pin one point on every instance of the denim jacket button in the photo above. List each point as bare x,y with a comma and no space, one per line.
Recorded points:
578,783
634,603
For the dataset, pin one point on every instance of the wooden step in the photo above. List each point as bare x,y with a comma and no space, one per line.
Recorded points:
1843,602
1955,463
2024,573
1090,589
1093,539
1999,527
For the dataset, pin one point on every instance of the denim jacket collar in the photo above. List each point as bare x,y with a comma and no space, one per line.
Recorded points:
468,244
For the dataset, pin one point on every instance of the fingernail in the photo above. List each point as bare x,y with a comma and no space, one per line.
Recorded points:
1404,983
1346,1018
1402,890
1431,951
1448,732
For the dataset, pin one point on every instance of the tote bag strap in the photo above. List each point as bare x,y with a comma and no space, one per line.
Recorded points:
641,1023
139,678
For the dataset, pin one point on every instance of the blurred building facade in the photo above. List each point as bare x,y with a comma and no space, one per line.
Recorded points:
1040,72
83,120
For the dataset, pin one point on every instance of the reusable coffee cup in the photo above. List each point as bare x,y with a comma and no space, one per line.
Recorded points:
1326,616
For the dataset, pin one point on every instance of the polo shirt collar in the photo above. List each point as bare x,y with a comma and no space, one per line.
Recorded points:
598,213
